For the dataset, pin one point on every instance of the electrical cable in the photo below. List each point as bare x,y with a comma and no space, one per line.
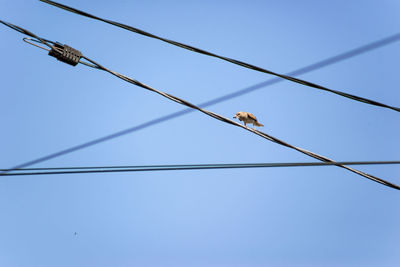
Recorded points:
323,63
226,120
48,43
112,169
234,61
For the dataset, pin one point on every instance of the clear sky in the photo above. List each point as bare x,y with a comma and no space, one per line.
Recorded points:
309,216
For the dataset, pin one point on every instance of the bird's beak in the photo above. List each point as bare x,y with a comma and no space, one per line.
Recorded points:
234,117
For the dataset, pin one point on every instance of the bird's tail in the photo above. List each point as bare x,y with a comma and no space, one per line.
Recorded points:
258,124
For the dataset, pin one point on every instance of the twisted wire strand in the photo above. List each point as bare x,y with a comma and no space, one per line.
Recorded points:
231,60
214,115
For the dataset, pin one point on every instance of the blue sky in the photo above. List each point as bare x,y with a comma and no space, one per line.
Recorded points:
311,216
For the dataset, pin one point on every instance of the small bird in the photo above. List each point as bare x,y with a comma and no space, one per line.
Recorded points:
247,117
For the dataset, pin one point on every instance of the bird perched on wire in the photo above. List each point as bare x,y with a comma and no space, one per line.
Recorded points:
247,117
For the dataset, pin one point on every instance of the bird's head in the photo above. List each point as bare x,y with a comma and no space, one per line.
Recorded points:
237,115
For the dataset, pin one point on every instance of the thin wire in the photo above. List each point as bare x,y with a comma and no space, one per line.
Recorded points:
234,61
207,166
27,40
46,42
226,120
326,62
24,31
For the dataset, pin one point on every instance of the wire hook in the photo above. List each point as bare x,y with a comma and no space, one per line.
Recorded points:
34,40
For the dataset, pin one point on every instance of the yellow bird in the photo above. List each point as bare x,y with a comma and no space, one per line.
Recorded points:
247,117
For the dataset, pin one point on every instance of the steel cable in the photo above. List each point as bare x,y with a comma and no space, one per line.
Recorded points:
99,169
221,118
323,63
234,61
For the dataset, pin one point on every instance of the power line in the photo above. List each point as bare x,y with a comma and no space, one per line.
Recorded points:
323,63
52,45
234,61
112,169
60,54
226,120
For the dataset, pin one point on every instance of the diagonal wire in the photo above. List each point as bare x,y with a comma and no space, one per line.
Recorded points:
234,61
113,169
318,65
24,31
46,42
226,120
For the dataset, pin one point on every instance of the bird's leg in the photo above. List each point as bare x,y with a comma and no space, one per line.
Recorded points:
245,124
